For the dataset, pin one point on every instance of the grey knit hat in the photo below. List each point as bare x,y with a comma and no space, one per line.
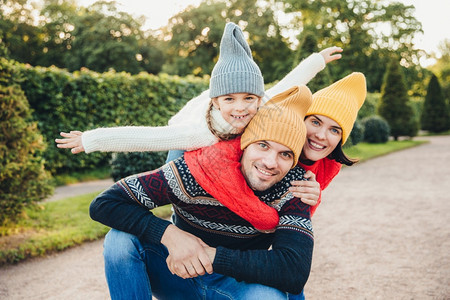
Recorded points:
235,71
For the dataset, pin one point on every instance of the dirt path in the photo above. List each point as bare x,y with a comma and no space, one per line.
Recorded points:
382,232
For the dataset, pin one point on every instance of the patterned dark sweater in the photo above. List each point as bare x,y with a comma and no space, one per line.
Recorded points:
242,251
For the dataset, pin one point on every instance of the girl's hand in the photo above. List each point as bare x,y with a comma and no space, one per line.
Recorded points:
329,54
307,190
71,140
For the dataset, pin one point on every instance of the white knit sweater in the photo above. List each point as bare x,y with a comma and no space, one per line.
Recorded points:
188,130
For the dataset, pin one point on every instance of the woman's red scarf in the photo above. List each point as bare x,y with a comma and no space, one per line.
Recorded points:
217,169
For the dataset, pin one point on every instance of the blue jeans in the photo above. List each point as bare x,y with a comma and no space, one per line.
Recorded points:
174,154
139,271
300,296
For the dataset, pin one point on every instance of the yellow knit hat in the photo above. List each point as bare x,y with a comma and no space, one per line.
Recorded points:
281,120
341,101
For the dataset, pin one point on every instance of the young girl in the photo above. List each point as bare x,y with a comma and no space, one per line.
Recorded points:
236,92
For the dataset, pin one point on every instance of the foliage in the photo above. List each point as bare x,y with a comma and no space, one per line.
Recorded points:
376,130
125,164
369,107
435,114
394,107
353,25
101,38
356,135
23,180
53,226
195,34
307,47
442,69
85,100
366,151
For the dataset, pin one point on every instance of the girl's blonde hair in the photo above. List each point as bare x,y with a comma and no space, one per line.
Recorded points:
220,135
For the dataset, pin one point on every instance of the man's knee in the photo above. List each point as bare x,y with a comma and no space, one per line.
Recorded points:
120,247
259,291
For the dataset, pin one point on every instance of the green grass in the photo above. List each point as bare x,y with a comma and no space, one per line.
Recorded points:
55,226
365,151
74,177
51,227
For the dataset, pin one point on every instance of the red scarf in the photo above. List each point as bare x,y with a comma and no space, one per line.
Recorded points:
217,169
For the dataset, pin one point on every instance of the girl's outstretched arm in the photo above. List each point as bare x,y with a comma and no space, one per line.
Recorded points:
71,140
305,70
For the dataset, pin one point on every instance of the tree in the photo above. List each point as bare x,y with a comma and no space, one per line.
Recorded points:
194,37
104,39
58,25
355,26
22,39
435,114
23,180
307,47
394,106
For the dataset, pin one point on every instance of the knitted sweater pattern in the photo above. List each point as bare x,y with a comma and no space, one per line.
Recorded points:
241,251
200,214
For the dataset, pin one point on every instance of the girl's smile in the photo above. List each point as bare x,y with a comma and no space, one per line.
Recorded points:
237,108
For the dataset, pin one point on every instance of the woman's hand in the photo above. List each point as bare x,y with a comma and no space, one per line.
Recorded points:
307,190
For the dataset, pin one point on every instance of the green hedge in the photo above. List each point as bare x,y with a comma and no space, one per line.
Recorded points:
83,100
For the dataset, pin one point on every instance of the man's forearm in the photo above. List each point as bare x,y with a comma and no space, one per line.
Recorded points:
285,267
116,209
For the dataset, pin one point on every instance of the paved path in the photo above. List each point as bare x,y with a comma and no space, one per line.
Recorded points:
382,232
80,189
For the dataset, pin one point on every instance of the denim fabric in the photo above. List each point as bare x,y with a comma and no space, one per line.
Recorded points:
300,296
138,271
174,154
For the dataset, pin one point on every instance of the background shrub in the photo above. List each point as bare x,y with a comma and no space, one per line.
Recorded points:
394,104
376,129
435,117
369,107
125,164
357,134
23,180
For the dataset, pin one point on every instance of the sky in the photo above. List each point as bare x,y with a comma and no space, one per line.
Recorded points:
433,14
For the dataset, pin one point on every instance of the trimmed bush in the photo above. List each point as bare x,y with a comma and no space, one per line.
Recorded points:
369,107
125,164
23,180
394,106
376,130
357,133
435,114
84,100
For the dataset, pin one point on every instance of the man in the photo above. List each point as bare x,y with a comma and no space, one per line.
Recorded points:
210,252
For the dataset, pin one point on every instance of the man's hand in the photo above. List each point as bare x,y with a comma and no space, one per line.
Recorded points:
71,140
308,191
188,256
329,54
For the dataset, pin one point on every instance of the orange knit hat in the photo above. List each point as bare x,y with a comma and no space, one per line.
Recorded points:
281,120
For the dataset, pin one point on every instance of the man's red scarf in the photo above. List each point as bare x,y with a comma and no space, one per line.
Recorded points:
217,169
